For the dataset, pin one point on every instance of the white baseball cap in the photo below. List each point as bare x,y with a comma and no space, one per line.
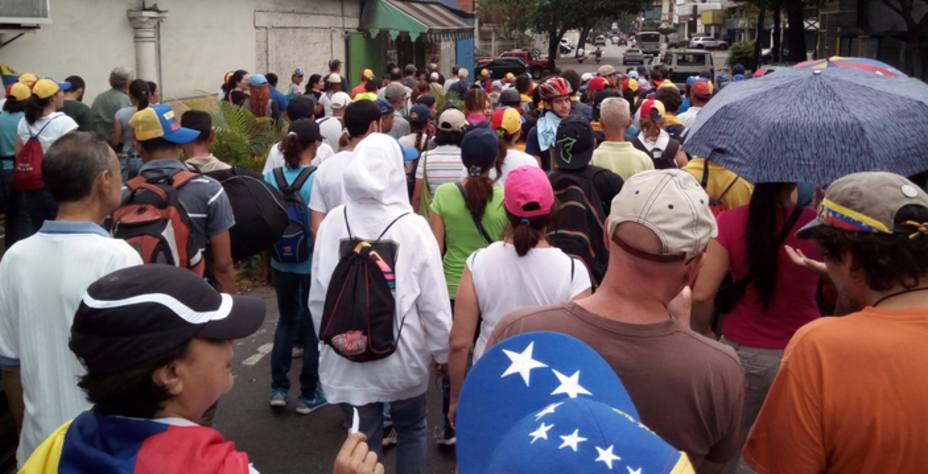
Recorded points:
670,203
340,99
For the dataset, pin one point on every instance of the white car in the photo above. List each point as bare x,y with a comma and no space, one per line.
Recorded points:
707,42
632,56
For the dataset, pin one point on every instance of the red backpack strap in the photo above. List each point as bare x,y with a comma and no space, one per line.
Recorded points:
181,178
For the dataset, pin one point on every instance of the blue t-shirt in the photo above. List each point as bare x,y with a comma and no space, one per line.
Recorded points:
306,191
8,125
280,99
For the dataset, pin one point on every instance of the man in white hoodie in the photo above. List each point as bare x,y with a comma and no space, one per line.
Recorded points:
376,189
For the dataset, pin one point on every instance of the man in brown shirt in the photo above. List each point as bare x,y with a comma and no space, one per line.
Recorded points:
688,389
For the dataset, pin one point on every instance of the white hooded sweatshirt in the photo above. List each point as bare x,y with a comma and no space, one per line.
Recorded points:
376,189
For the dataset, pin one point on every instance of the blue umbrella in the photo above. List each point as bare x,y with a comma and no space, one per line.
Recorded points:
815,125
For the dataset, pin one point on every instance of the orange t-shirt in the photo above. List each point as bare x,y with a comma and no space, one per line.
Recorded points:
851,396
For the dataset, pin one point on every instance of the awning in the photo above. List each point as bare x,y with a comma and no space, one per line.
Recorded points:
434,20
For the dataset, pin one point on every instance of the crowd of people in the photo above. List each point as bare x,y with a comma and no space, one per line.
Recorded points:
432,222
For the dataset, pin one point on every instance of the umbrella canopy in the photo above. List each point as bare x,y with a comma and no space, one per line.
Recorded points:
865,64
815,125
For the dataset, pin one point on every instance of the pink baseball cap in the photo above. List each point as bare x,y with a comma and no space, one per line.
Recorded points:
528,192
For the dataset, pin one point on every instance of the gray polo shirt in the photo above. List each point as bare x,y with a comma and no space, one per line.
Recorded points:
202,198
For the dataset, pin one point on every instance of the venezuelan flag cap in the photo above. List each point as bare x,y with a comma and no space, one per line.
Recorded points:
141,313
159,121
868,202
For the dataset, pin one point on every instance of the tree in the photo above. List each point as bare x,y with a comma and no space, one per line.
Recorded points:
796,33
916,28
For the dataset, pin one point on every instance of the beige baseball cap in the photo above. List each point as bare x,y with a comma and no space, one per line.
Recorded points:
452,120
866,202
673,205
605,70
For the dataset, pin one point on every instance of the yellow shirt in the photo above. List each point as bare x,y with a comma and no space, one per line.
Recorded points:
725,186
622,158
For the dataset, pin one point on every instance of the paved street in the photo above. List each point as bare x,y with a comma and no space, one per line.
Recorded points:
284,442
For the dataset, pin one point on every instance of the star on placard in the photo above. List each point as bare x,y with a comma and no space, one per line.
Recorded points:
569,385
606,456
522,363
548,410
572,440
541,432
633,471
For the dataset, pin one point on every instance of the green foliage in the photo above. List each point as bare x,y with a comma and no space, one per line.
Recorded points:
742,52
242,140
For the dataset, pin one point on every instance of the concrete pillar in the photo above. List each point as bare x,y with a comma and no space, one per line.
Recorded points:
145,34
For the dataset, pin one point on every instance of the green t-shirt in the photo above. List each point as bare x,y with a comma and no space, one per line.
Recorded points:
81,114
104,110
461,235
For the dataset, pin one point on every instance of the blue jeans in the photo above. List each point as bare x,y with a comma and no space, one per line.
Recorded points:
409,420
294,324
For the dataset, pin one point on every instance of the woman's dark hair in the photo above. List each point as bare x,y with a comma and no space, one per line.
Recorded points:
34,106
671,98
527,232
140,91
505,140
292,148
475,100
885,260
13,106
478,191
131,392
312,81
234,79
152,87
444,137
760,238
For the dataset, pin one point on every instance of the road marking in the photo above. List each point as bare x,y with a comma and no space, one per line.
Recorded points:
263,350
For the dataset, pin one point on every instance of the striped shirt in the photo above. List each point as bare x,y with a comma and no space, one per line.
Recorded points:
441,165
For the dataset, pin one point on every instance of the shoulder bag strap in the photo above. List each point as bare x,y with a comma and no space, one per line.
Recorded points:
348,227
705,176
389,225
480,228
281,180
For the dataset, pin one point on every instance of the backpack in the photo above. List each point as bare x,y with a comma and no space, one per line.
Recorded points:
715,203
293,246
360,310
259,210
580,225
27,167
155,224
663,159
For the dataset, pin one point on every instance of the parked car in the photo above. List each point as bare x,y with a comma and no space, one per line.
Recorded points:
600,40
499,67
707,42
683,63
536,62
632,56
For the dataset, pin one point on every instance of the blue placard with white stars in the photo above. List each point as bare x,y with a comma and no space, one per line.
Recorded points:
543,402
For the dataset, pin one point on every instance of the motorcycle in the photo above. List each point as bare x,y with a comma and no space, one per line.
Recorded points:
598,54
580,56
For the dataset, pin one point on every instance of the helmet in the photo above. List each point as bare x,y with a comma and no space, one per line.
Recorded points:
555,87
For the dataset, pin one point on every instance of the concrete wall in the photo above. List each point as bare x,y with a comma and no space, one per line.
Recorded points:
201,40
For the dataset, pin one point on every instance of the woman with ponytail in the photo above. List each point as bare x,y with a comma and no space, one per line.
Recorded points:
122,141
292,280
467,215
522,270
507,123
43,120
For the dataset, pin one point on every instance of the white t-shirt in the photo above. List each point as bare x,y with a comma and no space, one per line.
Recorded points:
42,280
689,117
504,281
331,130
275,158
60,125
514,159
329,187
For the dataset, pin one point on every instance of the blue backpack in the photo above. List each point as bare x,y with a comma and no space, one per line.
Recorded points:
294,244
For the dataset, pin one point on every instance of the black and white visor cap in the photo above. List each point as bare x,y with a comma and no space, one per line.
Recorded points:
142,313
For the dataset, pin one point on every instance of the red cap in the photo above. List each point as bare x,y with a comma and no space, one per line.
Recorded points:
528,192
596,84
702,89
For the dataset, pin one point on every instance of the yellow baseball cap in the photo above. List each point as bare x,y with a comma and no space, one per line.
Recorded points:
485,72
28,78
158,121
367,74
45,88
667,84
18,91
510,76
